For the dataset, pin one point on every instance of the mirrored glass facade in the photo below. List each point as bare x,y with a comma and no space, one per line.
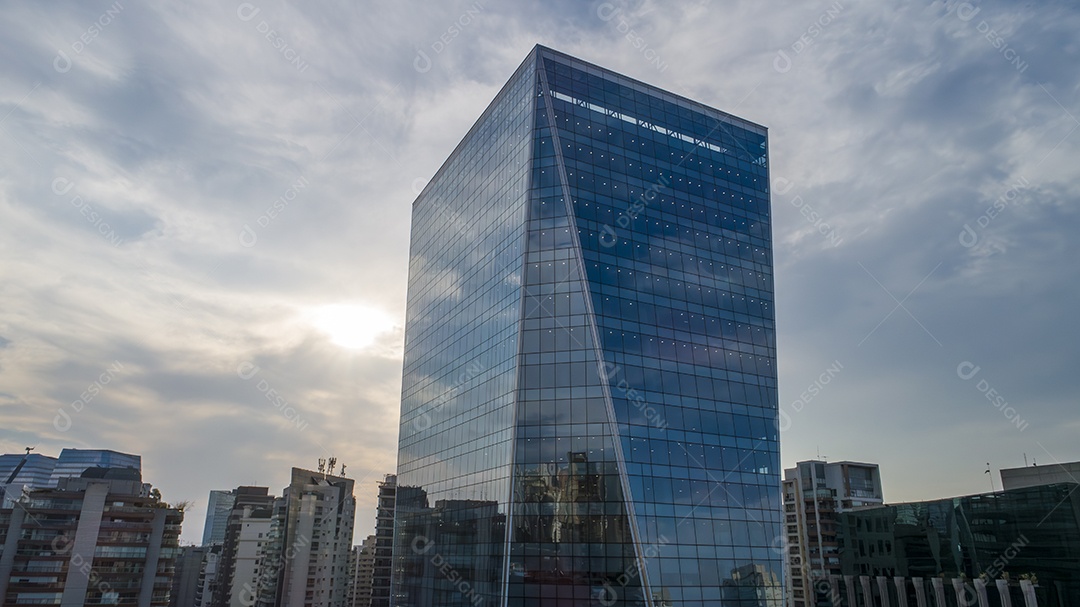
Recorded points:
589,397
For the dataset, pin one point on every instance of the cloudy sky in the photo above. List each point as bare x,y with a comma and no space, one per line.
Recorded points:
204,219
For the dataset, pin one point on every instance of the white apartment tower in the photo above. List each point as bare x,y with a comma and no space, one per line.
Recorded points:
815,492
316,533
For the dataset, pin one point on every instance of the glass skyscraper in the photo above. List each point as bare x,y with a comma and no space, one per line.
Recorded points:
218,507
73,462
589,397
22,472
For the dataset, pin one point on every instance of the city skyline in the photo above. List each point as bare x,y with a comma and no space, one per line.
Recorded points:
206,220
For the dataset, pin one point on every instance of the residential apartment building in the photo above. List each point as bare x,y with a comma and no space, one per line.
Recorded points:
362,570
384,542
815,493
99,539
306,561
243,548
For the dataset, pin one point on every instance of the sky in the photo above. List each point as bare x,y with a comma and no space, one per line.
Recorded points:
205,208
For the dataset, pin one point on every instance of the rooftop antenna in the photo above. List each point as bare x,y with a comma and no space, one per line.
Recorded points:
342,469
993,487
322,465
332,465
1025,460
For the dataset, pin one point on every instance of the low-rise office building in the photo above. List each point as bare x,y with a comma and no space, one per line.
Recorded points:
1023,544
1033,476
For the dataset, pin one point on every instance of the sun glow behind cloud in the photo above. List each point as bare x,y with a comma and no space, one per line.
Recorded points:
352,326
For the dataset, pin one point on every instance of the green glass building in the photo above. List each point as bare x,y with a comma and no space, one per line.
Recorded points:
1031,533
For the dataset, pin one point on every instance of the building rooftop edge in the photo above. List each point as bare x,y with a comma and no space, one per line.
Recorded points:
1042,468
842,461
541,49
533,56
983,494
